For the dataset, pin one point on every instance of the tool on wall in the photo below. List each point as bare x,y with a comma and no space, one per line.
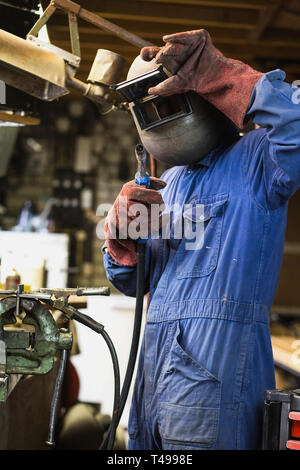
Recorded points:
33,352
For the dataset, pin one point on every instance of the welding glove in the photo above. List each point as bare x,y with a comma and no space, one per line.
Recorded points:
198,66
120,246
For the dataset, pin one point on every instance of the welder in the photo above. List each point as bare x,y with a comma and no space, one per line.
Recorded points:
206,356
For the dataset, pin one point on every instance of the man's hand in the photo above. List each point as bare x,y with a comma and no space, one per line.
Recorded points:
198,66
119,244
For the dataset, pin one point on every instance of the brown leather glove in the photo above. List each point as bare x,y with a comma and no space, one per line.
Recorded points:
198,66
123,250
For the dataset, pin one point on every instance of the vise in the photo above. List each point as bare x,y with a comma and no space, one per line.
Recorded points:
31,350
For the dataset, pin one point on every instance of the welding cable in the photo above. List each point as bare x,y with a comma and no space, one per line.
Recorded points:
98,328
140,291
56,397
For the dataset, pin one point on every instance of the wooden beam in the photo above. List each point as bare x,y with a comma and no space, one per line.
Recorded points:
254,5
88,35
179,14
265,18
153,31
287,20
198,23
255,50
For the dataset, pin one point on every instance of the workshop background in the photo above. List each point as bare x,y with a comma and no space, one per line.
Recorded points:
77,158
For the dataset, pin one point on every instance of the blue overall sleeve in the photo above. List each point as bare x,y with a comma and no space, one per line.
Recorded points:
122,277
275,158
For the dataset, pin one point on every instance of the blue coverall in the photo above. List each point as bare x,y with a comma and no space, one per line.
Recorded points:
206,356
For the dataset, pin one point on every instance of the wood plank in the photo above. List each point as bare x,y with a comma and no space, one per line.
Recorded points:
173,14
265,18
147,30
286,20
219,35
24,417
229,50
285,353
254,5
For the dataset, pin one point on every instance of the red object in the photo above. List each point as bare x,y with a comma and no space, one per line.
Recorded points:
123,250
12,281
293,445
295,415
71,385
198,66
295,432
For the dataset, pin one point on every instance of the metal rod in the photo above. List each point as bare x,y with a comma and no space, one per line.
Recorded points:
56,397
74,34
153,166
42,20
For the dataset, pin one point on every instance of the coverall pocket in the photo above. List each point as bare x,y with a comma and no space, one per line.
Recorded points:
189,426
198,252
190,403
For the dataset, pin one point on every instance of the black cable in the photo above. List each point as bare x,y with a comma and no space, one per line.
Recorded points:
56,397
98,328
140,288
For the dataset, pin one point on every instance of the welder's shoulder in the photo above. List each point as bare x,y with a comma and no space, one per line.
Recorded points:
251,142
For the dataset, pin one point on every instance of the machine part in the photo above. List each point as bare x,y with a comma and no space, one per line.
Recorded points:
57,395
71,59
107,67
30,352
142,177
178,129
99,94
30,68
44,70
282,409
72,7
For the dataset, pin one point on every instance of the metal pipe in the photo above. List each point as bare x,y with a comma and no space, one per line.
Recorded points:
153,166
56,397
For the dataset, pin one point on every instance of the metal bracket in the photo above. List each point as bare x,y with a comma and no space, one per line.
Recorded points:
71,59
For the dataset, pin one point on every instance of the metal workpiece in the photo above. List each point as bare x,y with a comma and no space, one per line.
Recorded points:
93,291
79,291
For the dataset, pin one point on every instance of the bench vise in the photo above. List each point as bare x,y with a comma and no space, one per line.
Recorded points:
28,352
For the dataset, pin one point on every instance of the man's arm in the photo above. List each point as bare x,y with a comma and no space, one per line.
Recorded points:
273,107
240,92
124,277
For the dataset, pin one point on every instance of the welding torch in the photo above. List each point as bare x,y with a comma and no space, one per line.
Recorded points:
142,178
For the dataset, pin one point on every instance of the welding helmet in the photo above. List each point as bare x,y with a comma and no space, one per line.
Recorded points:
178,130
